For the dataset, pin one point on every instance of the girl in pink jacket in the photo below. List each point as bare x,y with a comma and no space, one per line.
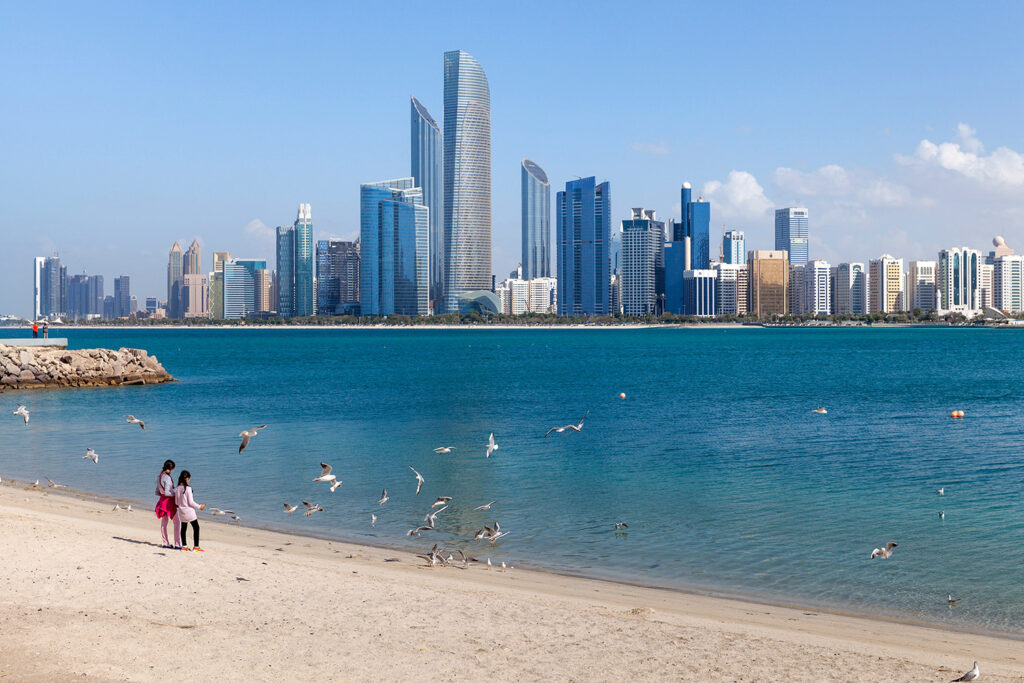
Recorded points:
187,507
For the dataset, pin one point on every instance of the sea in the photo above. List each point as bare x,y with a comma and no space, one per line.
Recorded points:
728,481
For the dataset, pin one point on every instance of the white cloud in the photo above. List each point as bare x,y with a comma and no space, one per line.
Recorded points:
966,155
740,197
834,181
258,231
659,148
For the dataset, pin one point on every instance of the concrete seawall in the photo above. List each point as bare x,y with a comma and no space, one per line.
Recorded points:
23,367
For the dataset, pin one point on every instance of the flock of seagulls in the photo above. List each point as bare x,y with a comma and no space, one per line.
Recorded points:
578,427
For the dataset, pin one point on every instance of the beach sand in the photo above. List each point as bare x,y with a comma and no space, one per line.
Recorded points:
87,592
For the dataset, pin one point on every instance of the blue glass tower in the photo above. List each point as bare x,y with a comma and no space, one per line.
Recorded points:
583,239
395,237
791,234
696,224
239,291
285,271
427,164
536,214
467,178
304,302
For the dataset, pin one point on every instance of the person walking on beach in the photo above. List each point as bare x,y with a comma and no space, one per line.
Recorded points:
166,509
35,330
187,507
46,330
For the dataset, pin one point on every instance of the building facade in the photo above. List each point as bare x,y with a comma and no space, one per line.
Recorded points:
768,283
536,220
851,289
959,280
337,277
583,236
1008,283
195,295
643,238
816,297
885,285
791,234
428,172
305,301
922,291
239,295
699,287
734,248
731,288
216,284
122,297
175,275
192,263
695,225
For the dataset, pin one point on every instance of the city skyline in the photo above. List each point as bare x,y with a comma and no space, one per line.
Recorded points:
867,178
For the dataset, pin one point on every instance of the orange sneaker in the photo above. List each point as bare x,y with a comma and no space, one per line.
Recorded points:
197,549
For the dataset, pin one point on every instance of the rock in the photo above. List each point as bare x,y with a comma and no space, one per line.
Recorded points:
35,367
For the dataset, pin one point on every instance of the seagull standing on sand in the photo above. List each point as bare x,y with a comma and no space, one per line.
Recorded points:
883,553
485,507
23,411
444,450
972,675
419,479
491,446
383,498
90,454
289,509
248,434
126,508
135,421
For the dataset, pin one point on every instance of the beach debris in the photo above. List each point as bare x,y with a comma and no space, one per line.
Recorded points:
131,419
289,509
383,497
442,500
491,445
218,511
444,450
23,411
485,507
90,454
325,475
972,675
950,600
247,435
884,553
578,427
419,479
52,484
311,508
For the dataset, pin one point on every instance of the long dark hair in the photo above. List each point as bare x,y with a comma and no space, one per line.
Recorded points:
185,474
168,466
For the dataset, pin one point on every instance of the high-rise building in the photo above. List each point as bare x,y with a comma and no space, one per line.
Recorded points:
921,286
1008,283
536,217
851,289
215,284
885,285
122,297
239,296
699,286
987,282
676,263
791,234
643,240
151,305
175,273
337,265
50,287
695,224
731,289
262,292
195,295
395,244
734,248
428,173
305,303
583,227
467,178
768,283
816,298
286,271
193,260
959,280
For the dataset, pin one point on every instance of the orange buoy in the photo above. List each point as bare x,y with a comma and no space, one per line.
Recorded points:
622,395
957,413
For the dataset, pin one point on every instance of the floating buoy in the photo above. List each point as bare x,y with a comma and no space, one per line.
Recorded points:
622,395
957,413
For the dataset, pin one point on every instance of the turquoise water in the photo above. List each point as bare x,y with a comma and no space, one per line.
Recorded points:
728,481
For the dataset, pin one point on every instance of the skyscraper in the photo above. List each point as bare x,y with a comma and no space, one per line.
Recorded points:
768,283
695,224
215,285
195,296
816,296
731,289
122,297
305,304
642,240
699,287
467,178
193,261
175,274
959,280
851,289
734,248
885,285
583,235
536,218
395,235
286,271
239,296
337,276
50,287
1008,282
427,173
791,234
921,287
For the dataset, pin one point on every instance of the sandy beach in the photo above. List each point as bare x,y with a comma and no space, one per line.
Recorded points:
87,592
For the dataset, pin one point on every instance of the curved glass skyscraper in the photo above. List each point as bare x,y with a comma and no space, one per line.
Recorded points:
536,221
427,158
467,178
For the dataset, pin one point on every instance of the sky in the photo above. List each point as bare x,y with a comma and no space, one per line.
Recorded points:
127,126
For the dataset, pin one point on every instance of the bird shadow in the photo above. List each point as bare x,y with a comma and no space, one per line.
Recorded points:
136,541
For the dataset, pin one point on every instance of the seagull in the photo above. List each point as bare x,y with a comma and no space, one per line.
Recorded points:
248,434
950,600
289,509
485,507
578,427
820,410
36,485
942,515
619,526
498,535
335,485
136,421
431,516
90,454
126,508
941,491
419,480
23,411
884,553
53,484
325,475
373,519
971,675
441,500
444,450
236,519
489,565
417,530
491,446
218,511
311,508
383,497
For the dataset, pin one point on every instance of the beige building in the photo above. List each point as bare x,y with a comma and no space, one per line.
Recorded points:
768,282
262,289
216,282
195,296
193,264
885,285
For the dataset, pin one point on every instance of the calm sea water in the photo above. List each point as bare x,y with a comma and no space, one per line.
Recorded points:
728,481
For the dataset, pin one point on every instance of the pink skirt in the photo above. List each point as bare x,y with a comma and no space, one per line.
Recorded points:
165,507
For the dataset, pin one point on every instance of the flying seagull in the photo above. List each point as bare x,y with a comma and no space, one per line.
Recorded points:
289,509
431,516
325,475
485,507
443,450
373,519
218,511
248,434
491,446
884,553
417,530
135,421
90,454
578,427
383,497
442,500
419,479
53,484
311,508
971,675
619,526
23,411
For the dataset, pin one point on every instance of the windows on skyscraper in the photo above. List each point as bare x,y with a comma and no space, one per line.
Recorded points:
695,224
395,245
791,234
536,219
583,228
427,172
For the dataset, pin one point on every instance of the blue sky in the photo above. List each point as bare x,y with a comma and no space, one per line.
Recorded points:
127,126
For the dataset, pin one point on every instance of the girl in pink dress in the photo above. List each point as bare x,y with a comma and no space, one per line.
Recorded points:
187,508
166,510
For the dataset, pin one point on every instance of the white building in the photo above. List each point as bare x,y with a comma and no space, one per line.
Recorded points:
959,280
517,296
851,289
816,288
885,285
987,283
699,292
642,238
1008,283
544,295
731,289
921,286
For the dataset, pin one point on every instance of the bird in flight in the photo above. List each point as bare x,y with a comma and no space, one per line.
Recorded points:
289,509
325,475
485,507
442,500
432,517
248,434
417,530
218,511
444,450
884,553
90,454
491,446
311,508
619,526
419,479
135,421
971,675
373,519
118,506
383,497
578,427
53,484
23,411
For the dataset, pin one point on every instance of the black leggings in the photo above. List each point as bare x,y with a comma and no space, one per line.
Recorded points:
195,532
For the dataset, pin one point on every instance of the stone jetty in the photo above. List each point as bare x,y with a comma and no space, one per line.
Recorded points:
23,367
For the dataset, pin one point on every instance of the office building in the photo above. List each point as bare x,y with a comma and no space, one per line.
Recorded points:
50,288
285,249
643,239
536,220
239,295
395,249
467,180
699,287
731,288
767,283
734,249
215,284
337,277
695,225
959,280
175,274
151,305
193,260
195,295
305,303
987,283
921,286
427,173
816,296
885,285
84,296
518,296
677,262
263,292
851,289
583,236
122,297
791,234
1008,283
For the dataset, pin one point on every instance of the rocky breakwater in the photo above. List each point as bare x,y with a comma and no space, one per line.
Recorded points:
40,368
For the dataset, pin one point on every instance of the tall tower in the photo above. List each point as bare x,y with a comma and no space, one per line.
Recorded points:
427,171
175,275
194,259
467,177
791,234
536,216
582,242
305,304
394,231
695,224
286,271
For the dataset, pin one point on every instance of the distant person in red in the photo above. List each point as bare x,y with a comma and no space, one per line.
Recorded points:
35,330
